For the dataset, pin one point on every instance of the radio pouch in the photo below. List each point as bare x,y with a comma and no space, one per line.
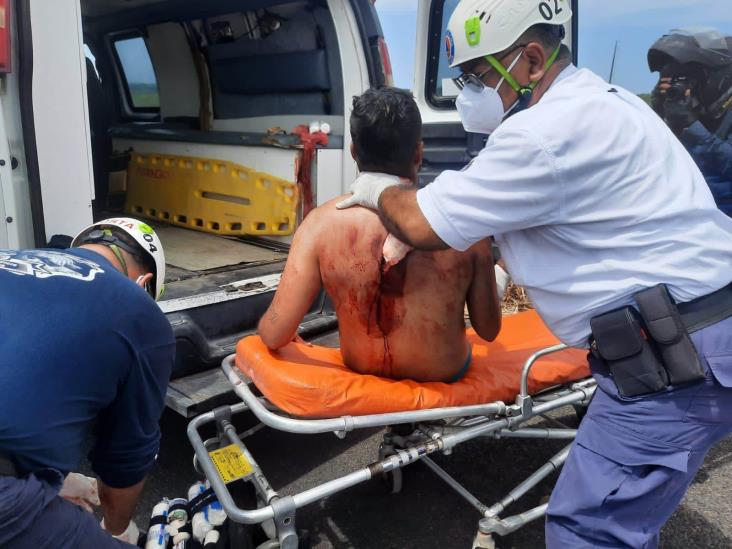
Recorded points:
664,324
619,340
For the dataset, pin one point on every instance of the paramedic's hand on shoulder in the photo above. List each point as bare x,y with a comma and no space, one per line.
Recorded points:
367,190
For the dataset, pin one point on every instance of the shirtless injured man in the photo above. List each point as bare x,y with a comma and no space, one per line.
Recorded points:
402,320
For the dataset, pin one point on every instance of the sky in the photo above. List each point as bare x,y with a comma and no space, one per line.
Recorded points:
634,24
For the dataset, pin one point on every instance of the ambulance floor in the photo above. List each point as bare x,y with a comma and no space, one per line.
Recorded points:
197,251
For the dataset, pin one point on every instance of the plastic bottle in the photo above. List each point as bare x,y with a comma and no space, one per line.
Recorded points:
157,533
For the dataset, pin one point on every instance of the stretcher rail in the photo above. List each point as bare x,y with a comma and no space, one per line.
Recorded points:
434,430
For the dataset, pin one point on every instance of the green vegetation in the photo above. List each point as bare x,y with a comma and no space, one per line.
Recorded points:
645,97
144,96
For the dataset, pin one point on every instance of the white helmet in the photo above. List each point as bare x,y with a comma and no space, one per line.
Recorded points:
479,28
141,232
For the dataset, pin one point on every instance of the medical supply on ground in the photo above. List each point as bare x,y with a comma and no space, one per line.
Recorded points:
367,189
178,526
81,490
130,535
212,538
207,511
157,533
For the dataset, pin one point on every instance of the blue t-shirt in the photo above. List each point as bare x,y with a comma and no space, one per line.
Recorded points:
80,344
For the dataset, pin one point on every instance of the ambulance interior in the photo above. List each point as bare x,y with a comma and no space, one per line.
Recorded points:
191,108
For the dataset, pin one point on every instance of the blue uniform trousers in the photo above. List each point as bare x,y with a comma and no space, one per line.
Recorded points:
33,516
634,459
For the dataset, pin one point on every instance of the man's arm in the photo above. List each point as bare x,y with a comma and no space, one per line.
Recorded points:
483,305
716,152
401,215
118,506
299,285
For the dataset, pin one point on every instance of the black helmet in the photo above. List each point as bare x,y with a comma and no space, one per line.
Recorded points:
705,47
704,55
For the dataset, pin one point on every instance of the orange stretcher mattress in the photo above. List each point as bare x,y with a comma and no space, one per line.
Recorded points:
313,382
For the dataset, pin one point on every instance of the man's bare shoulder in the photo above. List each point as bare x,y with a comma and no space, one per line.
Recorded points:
328,217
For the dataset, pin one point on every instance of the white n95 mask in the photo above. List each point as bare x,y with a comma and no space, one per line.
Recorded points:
482,111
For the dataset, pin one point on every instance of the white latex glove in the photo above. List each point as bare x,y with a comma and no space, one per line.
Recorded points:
81,490
128,536
502,280
367,189
394,251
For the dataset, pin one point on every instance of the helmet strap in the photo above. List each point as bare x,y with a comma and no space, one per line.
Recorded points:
506,74
118,254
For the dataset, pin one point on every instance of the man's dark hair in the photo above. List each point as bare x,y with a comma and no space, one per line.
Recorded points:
386,129
549,36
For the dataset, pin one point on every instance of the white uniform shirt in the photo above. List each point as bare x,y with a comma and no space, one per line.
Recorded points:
591,198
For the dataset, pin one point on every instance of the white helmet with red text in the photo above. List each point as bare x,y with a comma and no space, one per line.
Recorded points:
102,232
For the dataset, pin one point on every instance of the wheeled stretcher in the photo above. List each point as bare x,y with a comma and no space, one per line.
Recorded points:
304,389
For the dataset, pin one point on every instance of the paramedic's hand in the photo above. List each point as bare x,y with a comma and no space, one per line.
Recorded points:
131,535
367,189
81,490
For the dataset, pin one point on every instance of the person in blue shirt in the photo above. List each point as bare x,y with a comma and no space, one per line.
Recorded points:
84,349
694,97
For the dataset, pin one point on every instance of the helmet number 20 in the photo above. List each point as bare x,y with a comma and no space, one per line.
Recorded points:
547,12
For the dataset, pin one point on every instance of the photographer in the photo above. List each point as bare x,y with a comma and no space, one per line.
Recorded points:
694,97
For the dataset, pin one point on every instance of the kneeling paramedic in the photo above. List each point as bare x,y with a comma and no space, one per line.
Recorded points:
604,217
83,344
694,97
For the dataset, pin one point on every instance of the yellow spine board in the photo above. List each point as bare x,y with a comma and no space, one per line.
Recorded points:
214,196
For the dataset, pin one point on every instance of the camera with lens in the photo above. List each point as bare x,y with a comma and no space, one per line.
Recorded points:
677,91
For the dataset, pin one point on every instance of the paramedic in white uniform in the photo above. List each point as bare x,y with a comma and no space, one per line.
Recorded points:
591,199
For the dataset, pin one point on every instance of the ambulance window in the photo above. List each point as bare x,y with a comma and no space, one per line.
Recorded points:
399,24
141,83
441,90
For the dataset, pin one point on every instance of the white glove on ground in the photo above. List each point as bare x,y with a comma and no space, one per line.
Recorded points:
367,189
128,536
81,490
502,281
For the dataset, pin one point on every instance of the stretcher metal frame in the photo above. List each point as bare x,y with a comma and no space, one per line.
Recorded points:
434,430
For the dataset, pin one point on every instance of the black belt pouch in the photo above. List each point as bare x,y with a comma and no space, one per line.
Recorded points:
664,324
620,341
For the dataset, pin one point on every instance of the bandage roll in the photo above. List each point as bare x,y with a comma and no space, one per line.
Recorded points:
212,538
208,516
157,533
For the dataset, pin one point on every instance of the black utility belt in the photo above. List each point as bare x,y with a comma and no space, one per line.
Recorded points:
648,348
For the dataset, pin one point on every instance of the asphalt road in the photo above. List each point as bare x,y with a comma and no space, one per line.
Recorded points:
427,514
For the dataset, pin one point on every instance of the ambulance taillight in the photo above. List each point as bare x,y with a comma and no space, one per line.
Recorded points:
5,52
